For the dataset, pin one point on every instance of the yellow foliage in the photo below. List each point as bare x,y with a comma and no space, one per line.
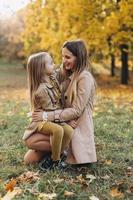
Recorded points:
48,26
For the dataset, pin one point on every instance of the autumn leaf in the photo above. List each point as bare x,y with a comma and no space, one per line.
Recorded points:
91,177
129,171
93,198
59,180
45,196
116,193
108,162
11,194
106,177
28,177
10,185
68,194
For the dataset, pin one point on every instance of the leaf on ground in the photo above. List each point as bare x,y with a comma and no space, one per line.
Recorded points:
11,194
129,171
91,177
45,196
33,191
10,185
93,198
106,177
81,180
116,193
28,177
108,162
68,194
59,180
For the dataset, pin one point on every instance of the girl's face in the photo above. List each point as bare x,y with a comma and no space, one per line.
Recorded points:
49,65
68,59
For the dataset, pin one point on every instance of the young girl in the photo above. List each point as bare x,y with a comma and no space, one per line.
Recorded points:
45,94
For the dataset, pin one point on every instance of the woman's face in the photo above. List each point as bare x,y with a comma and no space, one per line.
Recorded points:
68,59
49,65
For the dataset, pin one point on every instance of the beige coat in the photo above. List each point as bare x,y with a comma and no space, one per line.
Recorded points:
82,147
48,98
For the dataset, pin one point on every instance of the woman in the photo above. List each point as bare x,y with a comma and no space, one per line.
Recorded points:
78,91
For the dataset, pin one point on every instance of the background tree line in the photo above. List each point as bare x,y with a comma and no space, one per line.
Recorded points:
106,26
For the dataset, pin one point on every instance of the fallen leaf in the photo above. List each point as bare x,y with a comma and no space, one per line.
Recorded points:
129,171
81,180
10,185
59,180
33,191
91,177
11,194
93,198
108,162
106,177
45,196
28,177
116,193
68,194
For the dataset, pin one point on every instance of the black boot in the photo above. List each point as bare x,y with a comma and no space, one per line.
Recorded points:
46,163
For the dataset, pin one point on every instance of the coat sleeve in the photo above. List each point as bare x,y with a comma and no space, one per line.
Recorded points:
84,90
41,98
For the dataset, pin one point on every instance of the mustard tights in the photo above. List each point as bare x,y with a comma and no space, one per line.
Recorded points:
60,136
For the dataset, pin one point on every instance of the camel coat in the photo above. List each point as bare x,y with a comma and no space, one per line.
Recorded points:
47,97
82,146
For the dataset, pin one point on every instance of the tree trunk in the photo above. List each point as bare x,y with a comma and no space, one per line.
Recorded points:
124,60
112,64
112,57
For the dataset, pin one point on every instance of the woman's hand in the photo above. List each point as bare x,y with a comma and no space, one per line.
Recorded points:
37,116
73,123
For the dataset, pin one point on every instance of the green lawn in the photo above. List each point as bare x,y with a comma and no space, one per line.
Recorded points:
109,178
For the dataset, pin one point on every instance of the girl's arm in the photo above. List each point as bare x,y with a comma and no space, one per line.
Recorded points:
84,89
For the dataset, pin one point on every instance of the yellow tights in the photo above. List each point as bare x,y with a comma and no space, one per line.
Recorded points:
60,137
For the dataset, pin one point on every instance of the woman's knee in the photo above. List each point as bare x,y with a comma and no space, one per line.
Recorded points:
32,157
28,158
28,143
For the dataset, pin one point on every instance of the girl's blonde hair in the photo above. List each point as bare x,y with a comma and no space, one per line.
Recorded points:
35,69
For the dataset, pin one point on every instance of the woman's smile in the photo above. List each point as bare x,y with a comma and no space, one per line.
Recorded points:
68,59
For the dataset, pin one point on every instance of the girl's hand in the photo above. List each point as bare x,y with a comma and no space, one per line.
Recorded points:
73,123
37,116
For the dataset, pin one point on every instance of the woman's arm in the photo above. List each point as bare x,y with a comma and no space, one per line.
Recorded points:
84,89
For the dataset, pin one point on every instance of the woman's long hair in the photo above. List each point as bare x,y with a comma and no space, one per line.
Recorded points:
79,50
35,69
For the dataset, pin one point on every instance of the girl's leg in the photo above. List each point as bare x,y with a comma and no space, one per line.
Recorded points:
68,133
56,132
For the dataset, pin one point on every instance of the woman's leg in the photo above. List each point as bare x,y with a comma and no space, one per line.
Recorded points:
56,133
33,156
38,141
39,146
68,133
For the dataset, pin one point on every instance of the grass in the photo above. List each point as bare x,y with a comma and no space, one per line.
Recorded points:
109,178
